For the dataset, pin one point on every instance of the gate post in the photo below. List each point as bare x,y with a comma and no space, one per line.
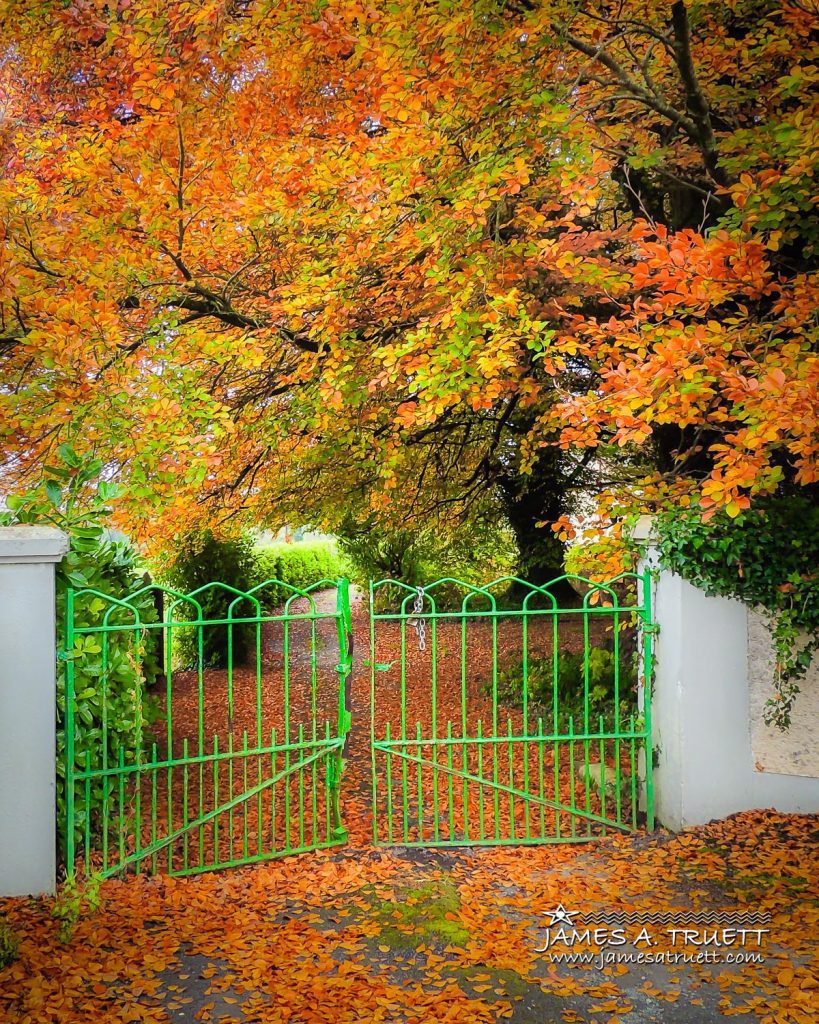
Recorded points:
28,669
706,767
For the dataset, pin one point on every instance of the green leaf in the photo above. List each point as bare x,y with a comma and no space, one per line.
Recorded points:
69,456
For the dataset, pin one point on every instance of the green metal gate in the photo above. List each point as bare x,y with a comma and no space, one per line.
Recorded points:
212,760
499,716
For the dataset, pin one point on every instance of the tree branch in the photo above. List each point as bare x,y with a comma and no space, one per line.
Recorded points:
695,100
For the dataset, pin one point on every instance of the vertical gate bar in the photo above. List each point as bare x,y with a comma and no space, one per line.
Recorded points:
388,782
139,644
481,818
185,808
633,766
373,670
138,815
301,784
648,671
168,631
260,798
586,717
524,642
436,828
420,785
555,672
106,779
216,856
328,762
313,721
524,639
259,702
345,667
259,758
244,790
555,713
231,794
572,789
464,720
495,734
200,726
602,754
273,789
314,800
450,781
404,765
286,680
230,707
556,756
87,815
121,802
511,753
154,758
230,712
70,767
618,725
313,675
542,776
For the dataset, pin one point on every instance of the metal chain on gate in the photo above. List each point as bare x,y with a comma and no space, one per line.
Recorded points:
419,623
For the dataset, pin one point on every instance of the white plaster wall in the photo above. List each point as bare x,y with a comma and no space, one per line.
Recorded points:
794,751
701,714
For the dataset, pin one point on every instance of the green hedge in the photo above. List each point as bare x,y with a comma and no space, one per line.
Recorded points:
300,564
204,558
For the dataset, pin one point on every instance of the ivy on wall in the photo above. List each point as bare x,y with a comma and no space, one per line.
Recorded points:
767,556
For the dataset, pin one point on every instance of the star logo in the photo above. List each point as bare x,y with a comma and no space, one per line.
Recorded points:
561,916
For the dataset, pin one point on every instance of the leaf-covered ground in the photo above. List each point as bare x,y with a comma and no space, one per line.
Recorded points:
367,935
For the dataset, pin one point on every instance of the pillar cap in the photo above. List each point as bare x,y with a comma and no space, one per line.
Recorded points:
31,544
644,529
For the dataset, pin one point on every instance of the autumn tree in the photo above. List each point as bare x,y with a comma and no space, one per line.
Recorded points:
269,257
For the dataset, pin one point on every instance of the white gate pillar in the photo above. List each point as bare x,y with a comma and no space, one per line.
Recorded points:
28,660
701,715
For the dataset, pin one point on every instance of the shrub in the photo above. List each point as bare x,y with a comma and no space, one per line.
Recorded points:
9,944
73,900
75,500
570,685
200,559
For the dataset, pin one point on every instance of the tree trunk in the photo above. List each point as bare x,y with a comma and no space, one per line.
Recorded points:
538,498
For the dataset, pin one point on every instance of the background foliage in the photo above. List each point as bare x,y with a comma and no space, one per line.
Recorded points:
421,556
300,564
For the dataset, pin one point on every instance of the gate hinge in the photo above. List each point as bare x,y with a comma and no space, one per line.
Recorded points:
651,628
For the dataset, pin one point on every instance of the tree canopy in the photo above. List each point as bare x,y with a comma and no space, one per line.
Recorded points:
261,256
